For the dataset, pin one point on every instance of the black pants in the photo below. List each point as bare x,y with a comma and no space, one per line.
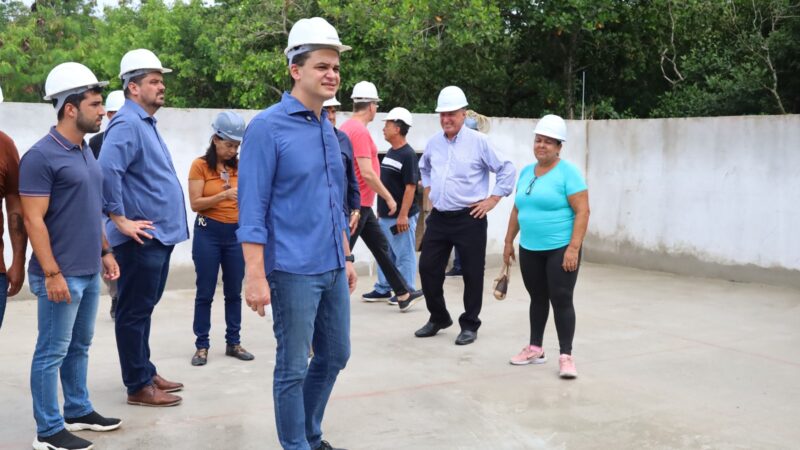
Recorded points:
370,231
443,231
547,282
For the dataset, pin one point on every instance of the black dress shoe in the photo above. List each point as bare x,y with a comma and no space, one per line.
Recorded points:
430,329
466,337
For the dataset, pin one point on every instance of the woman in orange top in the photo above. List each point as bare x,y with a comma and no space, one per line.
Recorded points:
213,183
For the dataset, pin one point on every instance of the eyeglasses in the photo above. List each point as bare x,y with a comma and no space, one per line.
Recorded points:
225,178
530,186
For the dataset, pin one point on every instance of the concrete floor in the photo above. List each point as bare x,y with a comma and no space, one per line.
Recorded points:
664,362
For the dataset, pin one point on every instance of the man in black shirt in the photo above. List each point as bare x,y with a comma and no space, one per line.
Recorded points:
400,174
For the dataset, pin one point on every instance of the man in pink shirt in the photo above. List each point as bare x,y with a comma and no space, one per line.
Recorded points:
365,107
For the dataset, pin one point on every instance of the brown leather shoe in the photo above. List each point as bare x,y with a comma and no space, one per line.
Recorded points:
166,386
153,396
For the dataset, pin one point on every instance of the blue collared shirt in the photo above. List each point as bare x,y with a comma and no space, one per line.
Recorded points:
69,175
139,179
352,198
291,189
457,170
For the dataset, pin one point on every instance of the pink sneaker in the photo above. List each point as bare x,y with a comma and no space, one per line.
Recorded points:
567,368
530,354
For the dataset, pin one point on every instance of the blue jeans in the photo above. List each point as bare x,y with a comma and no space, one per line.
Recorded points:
143,274
307,310
65,334
3,296
214,245
402,250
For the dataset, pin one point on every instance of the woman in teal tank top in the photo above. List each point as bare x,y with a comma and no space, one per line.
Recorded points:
551,214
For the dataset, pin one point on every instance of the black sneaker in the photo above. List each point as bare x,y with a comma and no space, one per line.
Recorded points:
324,445
237,351
63,440
93,422
113,311
376,296
454,272
412,299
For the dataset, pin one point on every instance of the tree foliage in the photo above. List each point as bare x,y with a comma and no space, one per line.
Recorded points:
522,58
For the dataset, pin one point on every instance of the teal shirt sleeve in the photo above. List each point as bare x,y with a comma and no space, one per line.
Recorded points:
573,180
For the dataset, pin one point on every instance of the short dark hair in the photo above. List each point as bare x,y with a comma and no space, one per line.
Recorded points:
137,79
300,60
75,100
211,157
361,106
403,127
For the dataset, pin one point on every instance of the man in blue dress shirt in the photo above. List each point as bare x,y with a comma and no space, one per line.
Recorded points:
294,235
455,174
144,200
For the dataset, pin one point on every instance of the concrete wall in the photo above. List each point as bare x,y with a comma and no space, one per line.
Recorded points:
710,196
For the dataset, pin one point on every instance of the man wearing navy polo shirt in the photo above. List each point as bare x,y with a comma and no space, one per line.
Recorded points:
144,200
293,234
62,201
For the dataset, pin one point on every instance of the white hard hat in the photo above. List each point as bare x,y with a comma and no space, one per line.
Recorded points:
308,34
139,62
451,98
400,114
552,126
114,101
67,79
229,126
365,92
331,102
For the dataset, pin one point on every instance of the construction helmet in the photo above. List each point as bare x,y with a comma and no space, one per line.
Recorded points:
552,126
365,92
451,98
67,79
471,123
114,101
229,126
400,114
311,34
331,102
139,62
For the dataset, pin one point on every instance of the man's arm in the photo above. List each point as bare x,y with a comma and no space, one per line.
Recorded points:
374,182
408,200
256,174
34,210
505,175
350,271
19,243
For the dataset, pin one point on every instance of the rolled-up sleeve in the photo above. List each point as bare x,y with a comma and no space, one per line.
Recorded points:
118,150
256,173
504,170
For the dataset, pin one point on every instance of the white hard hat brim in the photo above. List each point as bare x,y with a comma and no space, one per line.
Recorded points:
76,90
452,108
338,47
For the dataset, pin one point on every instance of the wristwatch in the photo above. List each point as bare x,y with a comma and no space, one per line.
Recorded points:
350,258
106,251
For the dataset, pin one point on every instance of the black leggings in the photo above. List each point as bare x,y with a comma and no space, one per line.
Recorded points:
547,282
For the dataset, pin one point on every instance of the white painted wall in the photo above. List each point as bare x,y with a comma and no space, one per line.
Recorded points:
719,191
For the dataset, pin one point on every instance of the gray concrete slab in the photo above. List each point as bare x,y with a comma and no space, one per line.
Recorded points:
665,361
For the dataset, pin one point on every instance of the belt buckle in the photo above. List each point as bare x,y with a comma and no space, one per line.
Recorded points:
201,221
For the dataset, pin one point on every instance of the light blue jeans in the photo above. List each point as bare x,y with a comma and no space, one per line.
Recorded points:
65,334
403,251
307,310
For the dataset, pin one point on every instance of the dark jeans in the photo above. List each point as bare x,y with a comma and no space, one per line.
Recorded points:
547,282
445,230
143,275
3,296
370,231
215,245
